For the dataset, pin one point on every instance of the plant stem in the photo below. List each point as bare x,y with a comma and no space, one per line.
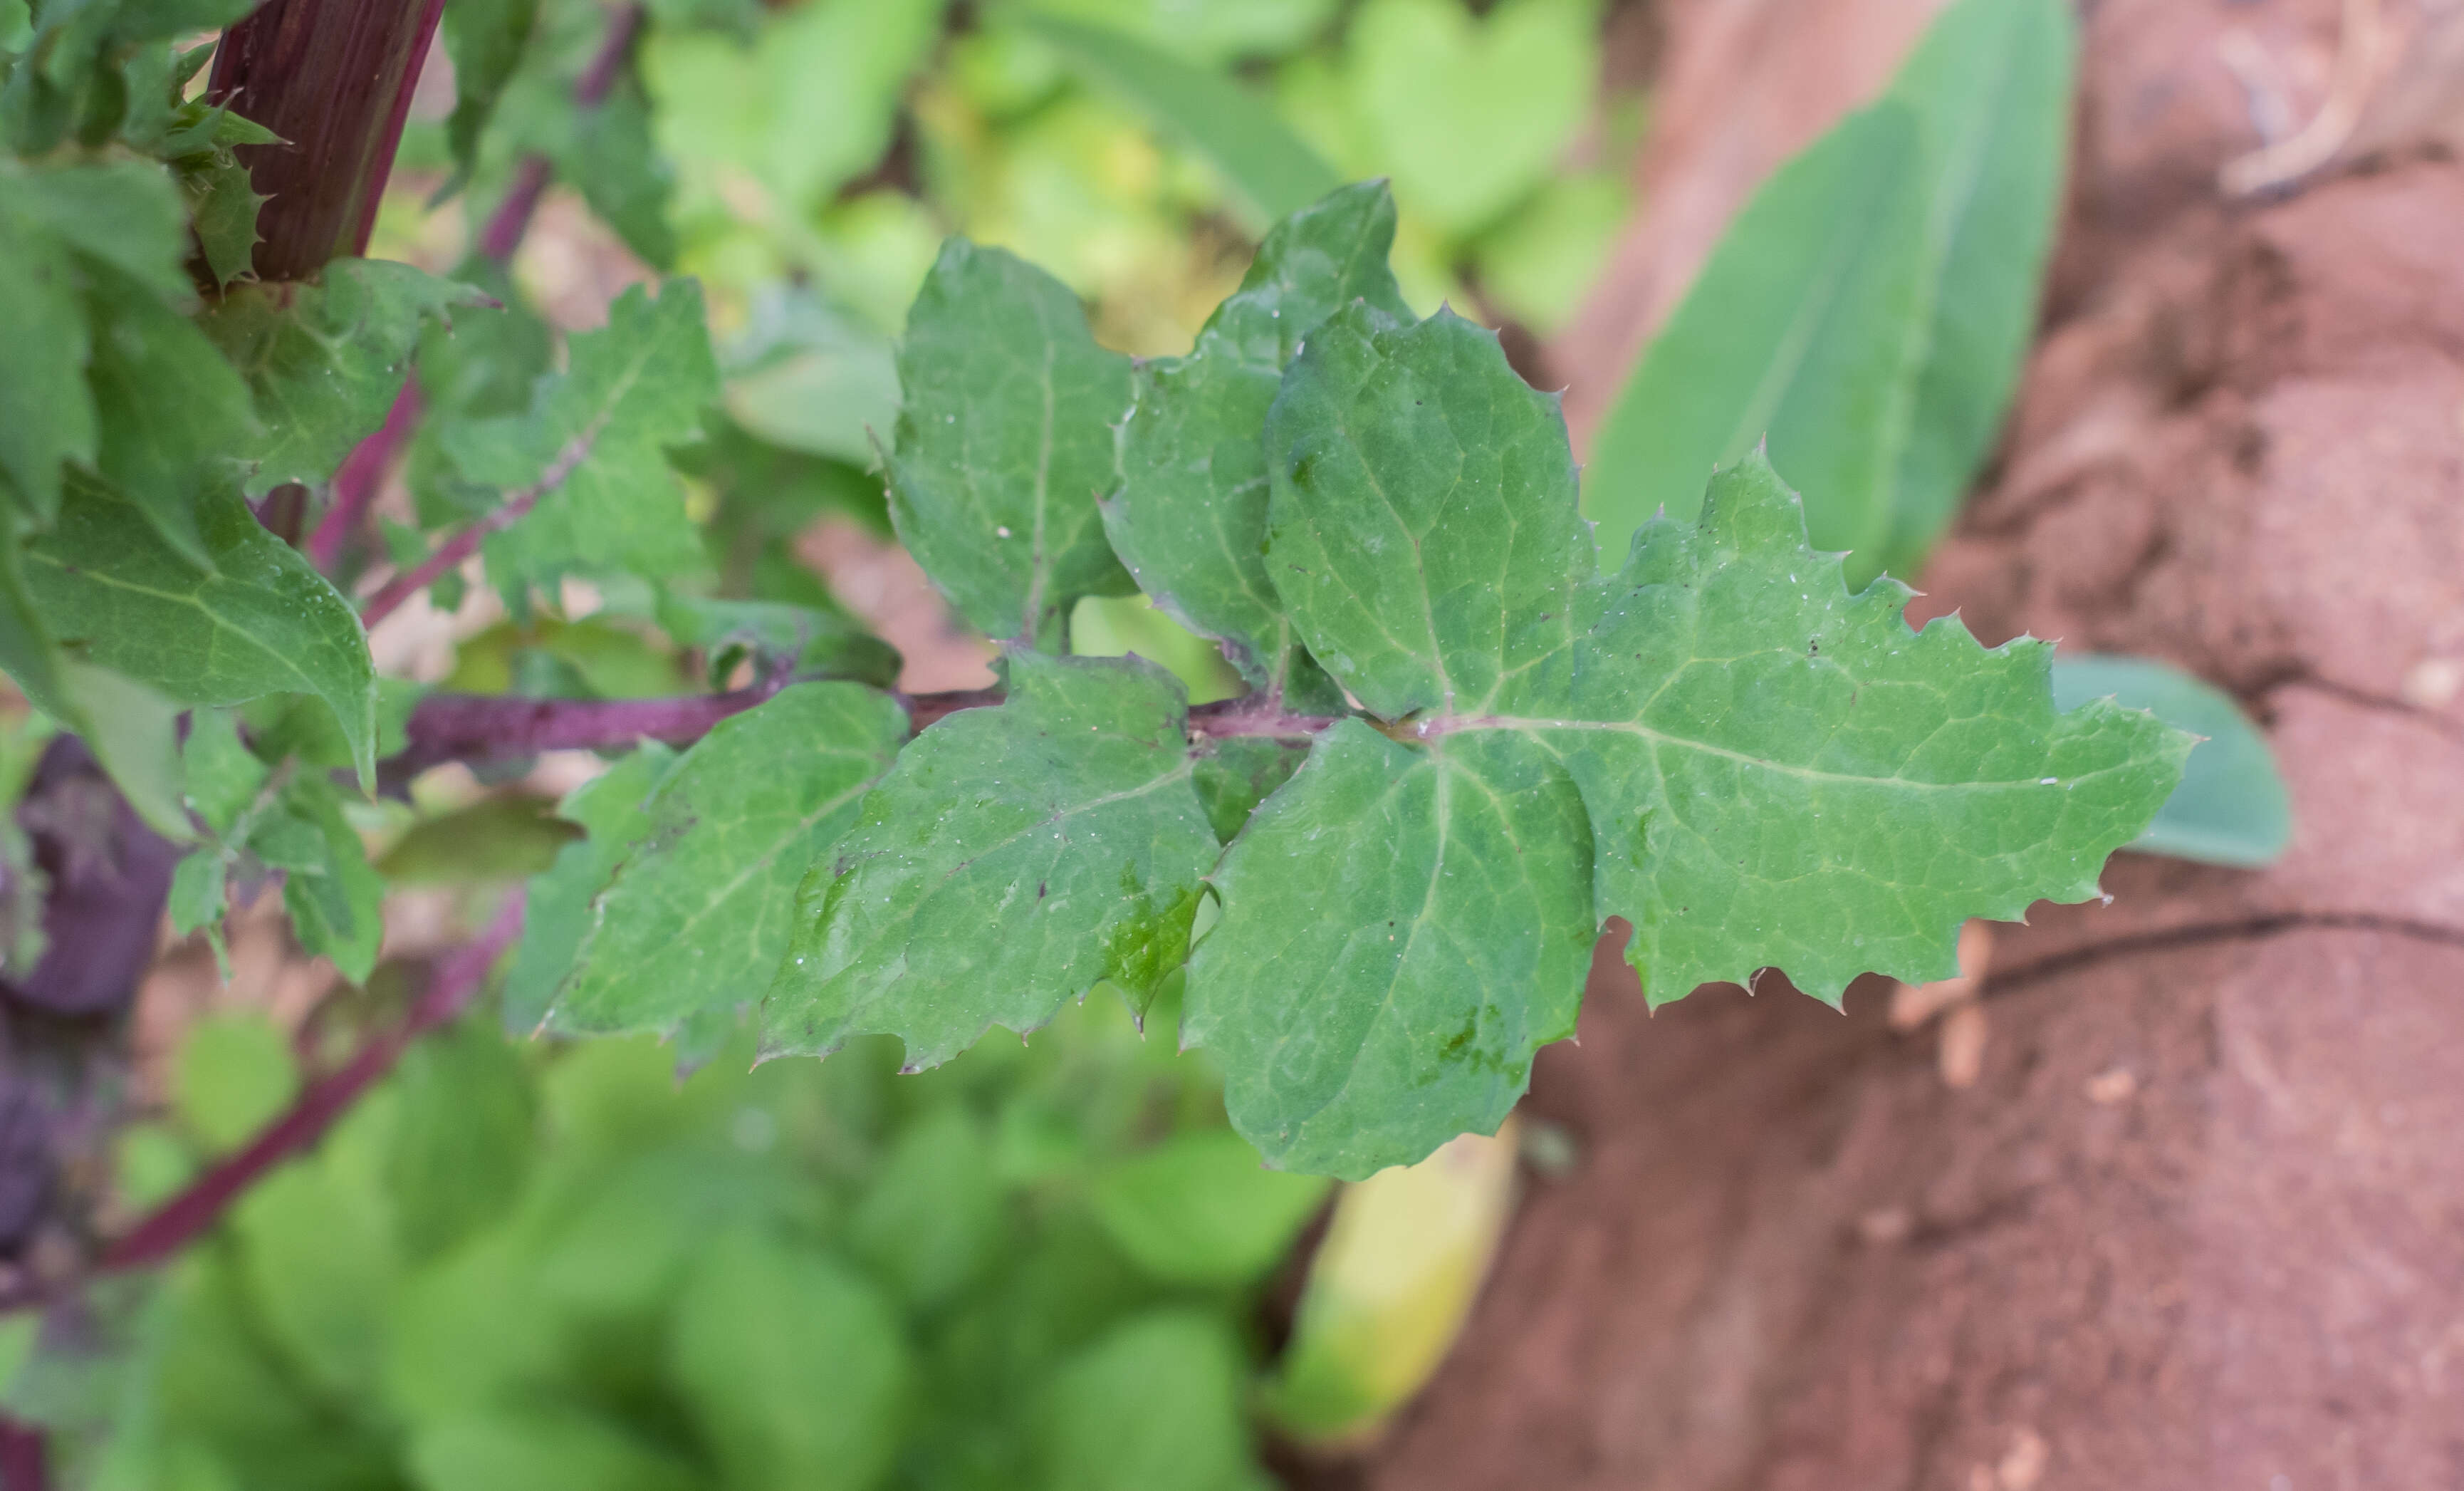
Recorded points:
505,227
362,476
334,78
195,1210
25,1457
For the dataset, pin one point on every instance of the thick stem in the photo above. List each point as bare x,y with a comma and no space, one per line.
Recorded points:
334,78
25,1457
195,1210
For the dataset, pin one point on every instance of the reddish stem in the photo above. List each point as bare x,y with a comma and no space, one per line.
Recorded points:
25,1457
451,552
334,78
483,727
361,476
512,218
194,1211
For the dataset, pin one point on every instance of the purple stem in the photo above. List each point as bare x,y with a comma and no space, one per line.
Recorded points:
504,232
25,1458
193,1213
363,475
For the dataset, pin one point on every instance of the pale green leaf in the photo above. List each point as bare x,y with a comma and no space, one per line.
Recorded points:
235,1071
592,447
223,775
1013,857
1189,515
1233,129
795,1366
325,360
1991,89
1152,1406
259,621
485,38
700,912
1005,443
134,732
171,416
929,1222
125,213
1202,1208
225,219
335,898
544,1447
2231,807
1797,330
46,413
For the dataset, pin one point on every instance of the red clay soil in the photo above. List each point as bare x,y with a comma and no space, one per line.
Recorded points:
2201,1221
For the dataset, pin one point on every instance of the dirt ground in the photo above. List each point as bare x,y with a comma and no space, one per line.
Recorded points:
2200,1221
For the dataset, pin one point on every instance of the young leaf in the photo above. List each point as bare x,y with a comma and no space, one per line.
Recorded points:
699,914
1797,328
1990,86
1774,772
1012,858
170,415
589,457
557,915
325,360
1004,442
1238,133
255,620
1189,517
795,1366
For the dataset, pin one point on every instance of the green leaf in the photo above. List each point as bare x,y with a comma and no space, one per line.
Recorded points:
1189,517
334,897
812,378
198,891
225,219
542,1448
931,1220
463,1140
1004,442
1232,128
325,360
699,914
1153,1406
1011,858
1234,776
1774,772
134,732
608,154
1200,1208
592,447
485,38
795,1368
1798,328
803,639
1403,929
1471,112
502,837
558,913
2231,808
171,414
122,212
224,778
1991,89
46,413
234,1073
256,620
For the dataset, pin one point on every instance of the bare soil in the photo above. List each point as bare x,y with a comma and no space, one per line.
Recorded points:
2200,1222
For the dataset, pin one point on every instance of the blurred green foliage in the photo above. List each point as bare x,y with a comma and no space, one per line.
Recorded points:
546,1267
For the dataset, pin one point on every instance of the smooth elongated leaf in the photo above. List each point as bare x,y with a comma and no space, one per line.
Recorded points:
1797,330
2231,807
700,912
170,415
1990,90
1236,132
256,620
590,453
1012,858
325,360
1189,516
1774,772
1005,443
1199,1209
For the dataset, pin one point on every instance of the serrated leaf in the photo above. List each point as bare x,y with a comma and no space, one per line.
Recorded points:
557,915
699,914
1402,930
1234,130
795,1366
165,453
335,898
1013,857
1797,328
257,620
1004,442
325,360
46,413
1774,772
1189,515
608,154
2231,807
592,447
1990,87
125,213
225,219
224,776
